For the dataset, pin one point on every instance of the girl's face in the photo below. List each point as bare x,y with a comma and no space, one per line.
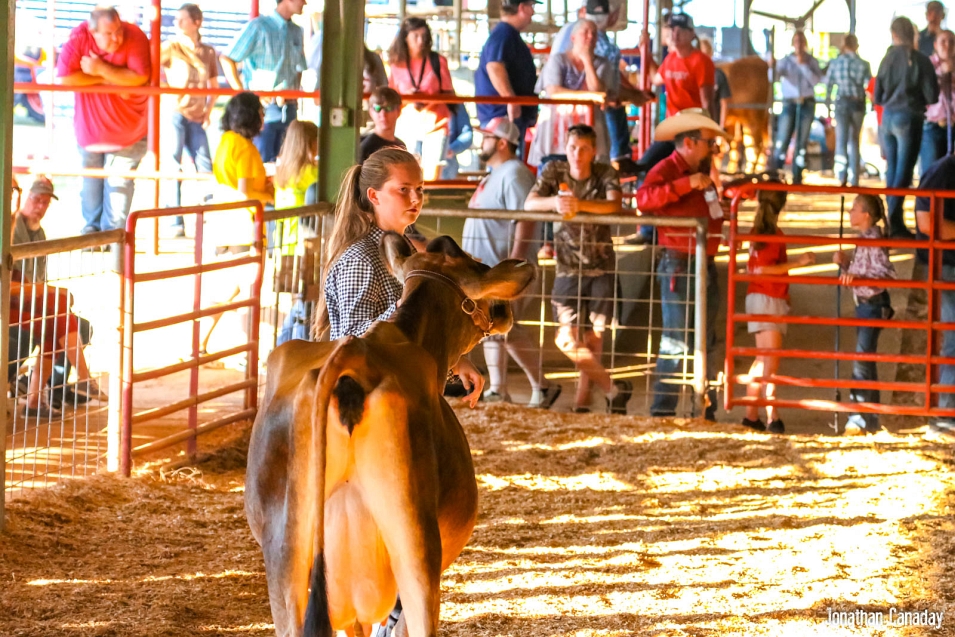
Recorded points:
858,217
398,202
416,40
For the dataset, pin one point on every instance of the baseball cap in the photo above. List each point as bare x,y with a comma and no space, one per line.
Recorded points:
597,7
681,20
42,186
517,3
503,128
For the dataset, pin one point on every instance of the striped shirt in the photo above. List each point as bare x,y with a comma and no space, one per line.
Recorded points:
272,53
359,289
851,74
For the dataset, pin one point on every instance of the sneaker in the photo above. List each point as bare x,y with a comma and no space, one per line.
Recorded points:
776,427
42,411
60,396
854,429
90,389
942,429
710,414
581,410
545,398
23,385
495,397
179,232
619,403
755,425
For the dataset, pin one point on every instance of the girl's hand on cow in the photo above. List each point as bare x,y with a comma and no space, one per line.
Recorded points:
472,379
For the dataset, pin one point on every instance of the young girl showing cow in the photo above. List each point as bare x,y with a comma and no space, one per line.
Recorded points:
768,298
872,301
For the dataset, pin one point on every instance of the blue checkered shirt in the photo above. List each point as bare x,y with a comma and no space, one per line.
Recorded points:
359,289
270,43
851,74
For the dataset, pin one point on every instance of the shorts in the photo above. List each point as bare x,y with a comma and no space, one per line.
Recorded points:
762,304
593,295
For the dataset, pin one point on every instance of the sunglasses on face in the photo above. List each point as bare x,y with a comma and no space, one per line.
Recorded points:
712,143
382,107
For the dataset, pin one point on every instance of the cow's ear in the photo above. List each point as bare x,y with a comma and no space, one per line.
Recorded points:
395,250
446,245
507,280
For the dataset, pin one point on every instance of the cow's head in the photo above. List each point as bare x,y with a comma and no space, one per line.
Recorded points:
489,288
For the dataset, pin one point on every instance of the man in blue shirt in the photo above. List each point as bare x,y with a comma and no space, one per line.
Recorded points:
507,68
599,12
272,52
934,14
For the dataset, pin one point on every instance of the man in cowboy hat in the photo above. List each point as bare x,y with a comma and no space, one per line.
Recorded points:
679,186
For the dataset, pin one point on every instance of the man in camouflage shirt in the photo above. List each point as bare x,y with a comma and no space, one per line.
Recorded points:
585,286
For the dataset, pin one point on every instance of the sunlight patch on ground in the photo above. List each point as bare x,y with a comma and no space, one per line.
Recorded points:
592,481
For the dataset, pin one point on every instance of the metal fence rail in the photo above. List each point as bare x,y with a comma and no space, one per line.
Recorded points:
62,361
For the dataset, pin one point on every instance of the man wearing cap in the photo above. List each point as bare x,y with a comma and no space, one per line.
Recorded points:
493,240
679,186
605,14
934,14
507,68
27,228
688,75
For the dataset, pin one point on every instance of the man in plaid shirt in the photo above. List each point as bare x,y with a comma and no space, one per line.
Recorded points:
851,74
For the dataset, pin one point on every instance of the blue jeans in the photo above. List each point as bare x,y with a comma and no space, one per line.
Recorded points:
901,137
619,133
105,202
796,118
849,116
946,374
295,325
277,119
676,294
867,342
934,145
190,136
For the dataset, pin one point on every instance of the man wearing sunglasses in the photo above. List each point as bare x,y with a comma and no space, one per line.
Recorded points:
680,186
384,106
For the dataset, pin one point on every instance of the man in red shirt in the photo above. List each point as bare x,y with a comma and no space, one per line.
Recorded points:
688,75
680,186
110,129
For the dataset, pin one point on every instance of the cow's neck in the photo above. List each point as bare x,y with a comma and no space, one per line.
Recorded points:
431,316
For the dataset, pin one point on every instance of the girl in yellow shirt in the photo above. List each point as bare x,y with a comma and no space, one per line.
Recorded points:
237,163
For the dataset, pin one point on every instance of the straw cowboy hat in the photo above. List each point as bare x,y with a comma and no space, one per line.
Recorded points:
689,119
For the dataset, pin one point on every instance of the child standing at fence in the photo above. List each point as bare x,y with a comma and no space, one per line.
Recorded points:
768,298
872,302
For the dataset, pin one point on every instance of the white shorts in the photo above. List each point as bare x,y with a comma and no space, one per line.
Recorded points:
762,304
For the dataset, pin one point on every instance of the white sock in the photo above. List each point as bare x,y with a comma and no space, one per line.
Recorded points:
495,355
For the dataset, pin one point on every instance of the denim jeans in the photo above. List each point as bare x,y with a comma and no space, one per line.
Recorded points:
849,116
105,202
934,145
277,119
946,374
867,342
190,136
619,132
296,324
901,137
677,296
796,118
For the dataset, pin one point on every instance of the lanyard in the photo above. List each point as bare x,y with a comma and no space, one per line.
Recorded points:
416,85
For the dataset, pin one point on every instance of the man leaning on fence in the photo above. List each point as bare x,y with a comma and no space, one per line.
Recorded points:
110,128
680,186
493,240
941,176
271,49
585,288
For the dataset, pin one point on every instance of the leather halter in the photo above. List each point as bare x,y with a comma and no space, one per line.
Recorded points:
468,305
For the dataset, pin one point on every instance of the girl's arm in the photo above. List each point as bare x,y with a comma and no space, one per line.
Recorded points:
807,258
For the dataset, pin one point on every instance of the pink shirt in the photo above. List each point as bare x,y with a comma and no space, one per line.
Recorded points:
940,111
107,121
423,80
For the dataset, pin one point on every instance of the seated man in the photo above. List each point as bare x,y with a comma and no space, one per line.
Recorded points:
63,333
585,260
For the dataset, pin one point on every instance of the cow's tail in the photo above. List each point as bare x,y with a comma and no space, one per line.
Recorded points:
337,379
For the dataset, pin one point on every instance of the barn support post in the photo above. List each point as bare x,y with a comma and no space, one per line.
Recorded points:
254,10
700,379
646,111
747,41
7,28
341,95
852,15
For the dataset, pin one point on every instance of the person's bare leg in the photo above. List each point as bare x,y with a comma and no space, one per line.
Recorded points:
40,373
586,358
770,339
74,352
754,388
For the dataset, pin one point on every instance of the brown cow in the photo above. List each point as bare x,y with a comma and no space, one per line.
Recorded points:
748,78
363,422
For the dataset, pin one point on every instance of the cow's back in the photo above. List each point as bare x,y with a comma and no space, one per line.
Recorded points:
748,79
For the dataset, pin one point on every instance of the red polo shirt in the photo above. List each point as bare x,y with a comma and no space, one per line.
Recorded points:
101,120
666,192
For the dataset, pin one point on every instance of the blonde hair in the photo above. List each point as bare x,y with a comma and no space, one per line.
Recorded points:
298,151
355,214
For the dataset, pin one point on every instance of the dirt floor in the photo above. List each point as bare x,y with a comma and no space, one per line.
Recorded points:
589,525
